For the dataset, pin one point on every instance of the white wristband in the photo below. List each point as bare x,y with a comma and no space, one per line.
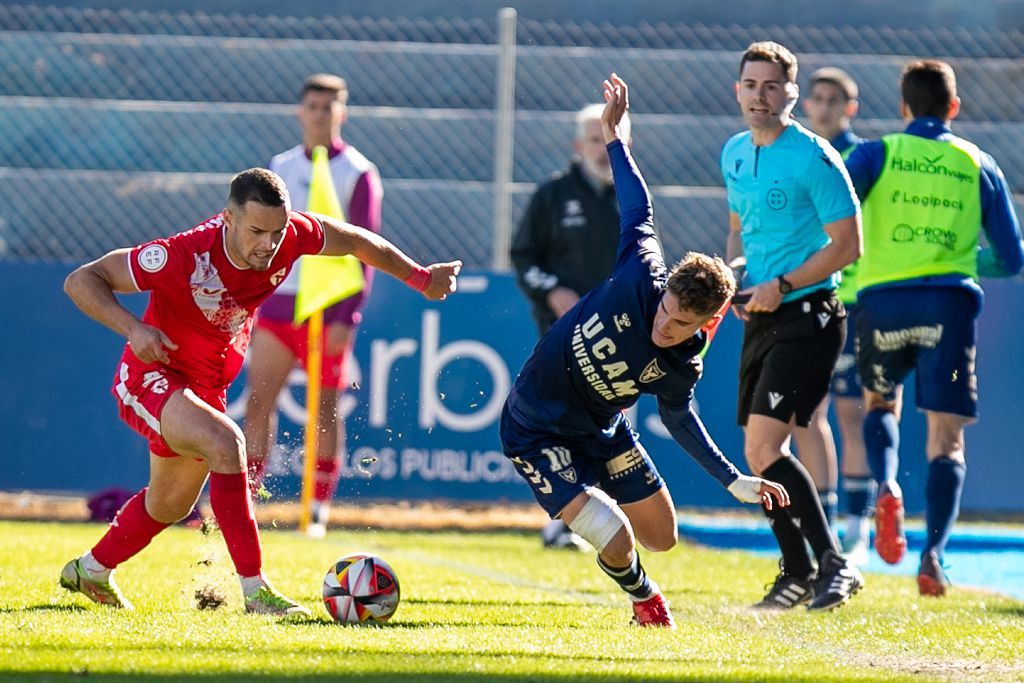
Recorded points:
746,489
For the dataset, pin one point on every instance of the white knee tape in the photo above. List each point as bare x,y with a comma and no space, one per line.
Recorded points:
599,520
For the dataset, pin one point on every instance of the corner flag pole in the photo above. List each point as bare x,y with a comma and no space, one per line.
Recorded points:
323,280
314,361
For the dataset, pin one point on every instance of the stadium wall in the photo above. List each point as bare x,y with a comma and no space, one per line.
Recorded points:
1003,14
427,392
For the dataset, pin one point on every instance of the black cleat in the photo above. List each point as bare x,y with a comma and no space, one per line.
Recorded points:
837,581
787,592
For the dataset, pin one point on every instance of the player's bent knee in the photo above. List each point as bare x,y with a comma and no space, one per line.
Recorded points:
659,543
600,520
226,452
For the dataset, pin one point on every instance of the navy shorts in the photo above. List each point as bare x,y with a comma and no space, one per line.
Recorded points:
932,330
558,468
845,378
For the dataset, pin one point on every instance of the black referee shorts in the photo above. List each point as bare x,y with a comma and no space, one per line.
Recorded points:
788,358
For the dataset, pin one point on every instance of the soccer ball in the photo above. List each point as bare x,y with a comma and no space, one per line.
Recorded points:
361,588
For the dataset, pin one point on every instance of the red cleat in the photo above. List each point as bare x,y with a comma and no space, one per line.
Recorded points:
890,542
653,612
931,580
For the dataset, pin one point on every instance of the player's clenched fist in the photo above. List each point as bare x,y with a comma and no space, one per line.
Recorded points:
442,279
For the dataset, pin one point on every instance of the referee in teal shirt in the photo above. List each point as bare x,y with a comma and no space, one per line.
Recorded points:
794,216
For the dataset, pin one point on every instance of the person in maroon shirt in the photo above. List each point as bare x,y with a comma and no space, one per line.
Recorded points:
171,383
278,345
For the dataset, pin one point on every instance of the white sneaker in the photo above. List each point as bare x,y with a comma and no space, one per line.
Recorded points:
857,540
556,534
320,514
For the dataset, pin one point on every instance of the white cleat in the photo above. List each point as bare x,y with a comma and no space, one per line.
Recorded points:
857,541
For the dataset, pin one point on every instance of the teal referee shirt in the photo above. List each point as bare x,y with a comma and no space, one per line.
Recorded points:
784,193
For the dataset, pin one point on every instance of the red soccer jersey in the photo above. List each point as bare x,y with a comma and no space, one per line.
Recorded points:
204,302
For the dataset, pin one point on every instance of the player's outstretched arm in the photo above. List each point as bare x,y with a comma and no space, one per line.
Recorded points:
92,288
689,432
436,281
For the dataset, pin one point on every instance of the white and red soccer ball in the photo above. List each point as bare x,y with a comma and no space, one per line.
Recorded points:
361,588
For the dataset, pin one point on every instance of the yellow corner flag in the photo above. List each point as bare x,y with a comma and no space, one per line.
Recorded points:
324,280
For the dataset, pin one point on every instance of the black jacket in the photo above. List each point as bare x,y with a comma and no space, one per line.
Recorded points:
567,237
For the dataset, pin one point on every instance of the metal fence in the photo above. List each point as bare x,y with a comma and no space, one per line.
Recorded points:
117,126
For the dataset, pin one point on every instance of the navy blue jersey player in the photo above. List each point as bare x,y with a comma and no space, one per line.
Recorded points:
641,331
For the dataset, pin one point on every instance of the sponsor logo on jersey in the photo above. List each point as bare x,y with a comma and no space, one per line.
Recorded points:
278,277
589,347
823,319
927,166
652,372
153,258
774,399
621,321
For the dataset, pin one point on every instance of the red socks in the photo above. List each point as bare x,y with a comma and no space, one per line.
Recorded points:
232,506
326,479
133,528
130,532
257,468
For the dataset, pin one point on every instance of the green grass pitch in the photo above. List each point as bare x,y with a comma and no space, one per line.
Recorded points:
477,607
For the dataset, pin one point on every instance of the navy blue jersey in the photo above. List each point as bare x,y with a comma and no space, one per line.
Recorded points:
599,358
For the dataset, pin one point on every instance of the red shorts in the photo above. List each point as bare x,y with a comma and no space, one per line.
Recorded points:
333,368
142,389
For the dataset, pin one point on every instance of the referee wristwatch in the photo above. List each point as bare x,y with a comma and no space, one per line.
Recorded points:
785,286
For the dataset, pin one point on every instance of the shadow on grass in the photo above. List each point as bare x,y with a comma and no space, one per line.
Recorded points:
361,676
413,626
470,602
44,607
1008,610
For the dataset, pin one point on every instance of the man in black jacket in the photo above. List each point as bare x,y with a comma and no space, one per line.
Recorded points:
566,242
565,245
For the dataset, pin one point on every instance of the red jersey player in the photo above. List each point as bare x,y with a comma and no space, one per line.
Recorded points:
171,381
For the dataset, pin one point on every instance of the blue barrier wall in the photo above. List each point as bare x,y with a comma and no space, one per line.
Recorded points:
422,420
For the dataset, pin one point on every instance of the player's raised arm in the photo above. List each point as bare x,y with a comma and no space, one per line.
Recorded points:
635,206
616,97
436,281
92,288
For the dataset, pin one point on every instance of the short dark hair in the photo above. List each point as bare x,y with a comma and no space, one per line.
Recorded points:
928,87
326,83
701,283
770,51
838,78
258,185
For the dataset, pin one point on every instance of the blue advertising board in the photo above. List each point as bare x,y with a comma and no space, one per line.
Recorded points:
428,384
